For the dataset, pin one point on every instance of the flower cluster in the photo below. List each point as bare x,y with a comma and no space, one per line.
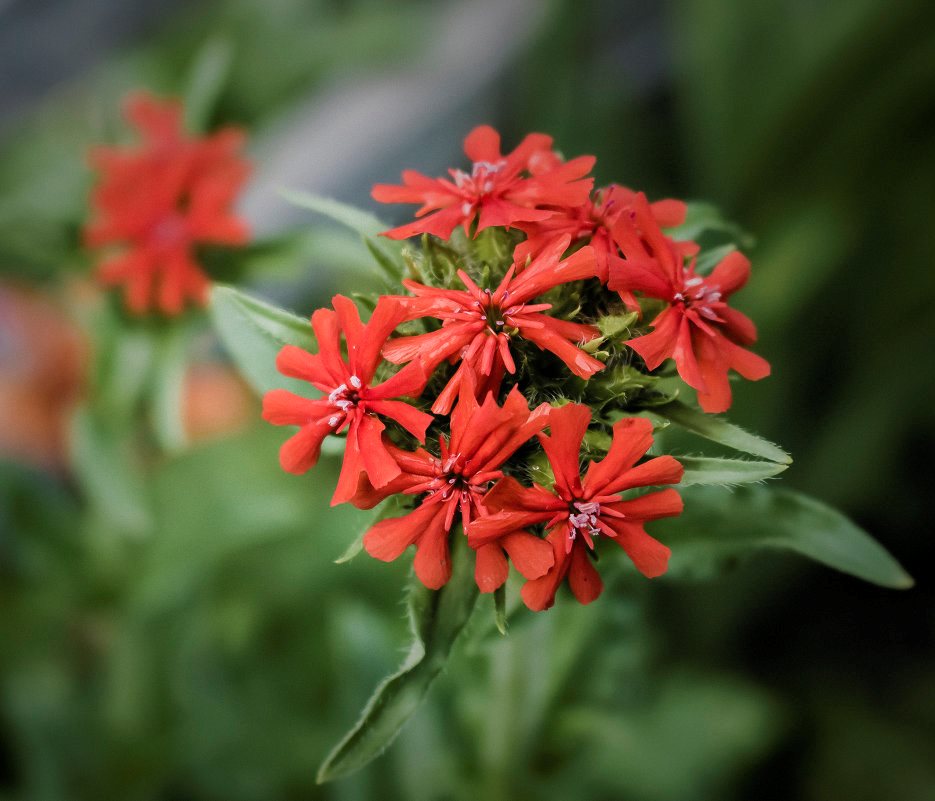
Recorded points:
158,200
508,371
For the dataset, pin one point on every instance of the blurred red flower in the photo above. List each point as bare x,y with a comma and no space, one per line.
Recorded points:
158,200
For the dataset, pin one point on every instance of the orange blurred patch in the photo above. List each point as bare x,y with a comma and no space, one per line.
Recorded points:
217,402
43,358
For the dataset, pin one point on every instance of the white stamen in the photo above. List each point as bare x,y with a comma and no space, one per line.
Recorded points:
356,382
336,393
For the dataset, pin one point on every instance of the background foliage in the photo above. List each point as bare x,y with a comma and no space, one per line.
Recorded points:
196,641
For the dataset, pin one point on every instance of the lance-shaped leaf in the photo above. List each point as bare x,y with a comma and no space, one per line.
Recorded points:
254,332
719,430
726,472
436,619
207,77
718,526
387,253
167,387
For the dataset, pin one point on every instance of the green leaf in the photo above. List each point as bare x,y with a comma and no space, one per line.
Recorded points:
719,526
168,385
209,73
499,608
101,460
254,332
436,619
394,505
719,430
704,218
613,325
709,259
725,472
386,252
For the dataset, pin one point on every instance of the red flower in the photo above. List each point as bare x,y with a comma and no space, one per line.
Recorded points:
497,188
478,323
578,510
351,401
483,437
157,200
594,221
698,329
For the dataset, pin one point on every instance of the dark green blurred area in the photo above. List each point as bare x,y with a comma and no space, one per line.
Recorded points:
215,652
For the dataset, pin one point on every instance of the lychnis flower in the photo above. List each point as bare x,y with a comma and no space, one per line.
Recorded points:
351,401
593,223
452,485
500,189
579,510
479,324
158,200
697,329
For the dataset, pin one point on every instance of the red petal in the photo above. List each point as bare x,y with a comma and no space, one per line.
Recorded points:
652,506
408,382
656,472
530,555
686,360
283,408
433,560
575,359
583,578
483,144
491,568
490,528
633,436
409,417
380,467
658,346
300,452
298,363
731,273
387,539
650,556
568,425
668,212
386,316
747,363
539,594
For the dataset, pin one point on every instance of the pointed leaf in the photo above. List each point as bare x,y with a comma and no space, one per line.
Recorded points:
499,608
386,252
726,472
101,460
209,73
168,385
436,619
719,430
719,526
254,332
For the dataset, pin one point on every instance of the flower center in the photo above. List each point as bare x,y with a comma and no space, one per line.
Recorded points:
169,232
481,180
582,519
698,295
344,398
